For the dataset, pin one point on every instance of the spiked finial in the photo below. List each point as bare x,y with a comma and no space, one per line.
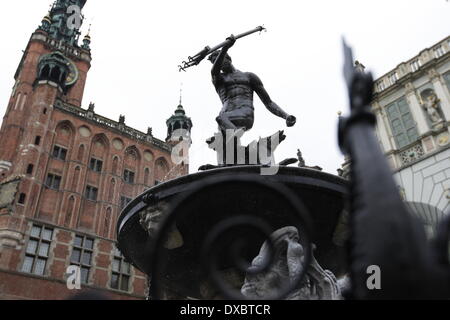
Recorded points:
89,30
87,39
64,21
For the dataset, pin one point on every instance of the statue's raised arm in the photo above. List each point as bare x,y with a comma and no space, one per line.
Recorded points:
220,57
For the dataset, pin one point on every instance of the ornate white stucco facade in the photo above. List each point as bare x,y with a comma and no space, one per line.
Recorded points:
412,105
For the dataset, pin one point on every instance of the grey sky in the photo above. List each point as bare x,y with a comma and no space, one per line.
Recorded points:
137,46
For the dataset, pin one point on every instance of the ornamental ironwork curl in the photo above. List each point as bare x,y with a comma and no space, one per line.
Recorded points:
229,236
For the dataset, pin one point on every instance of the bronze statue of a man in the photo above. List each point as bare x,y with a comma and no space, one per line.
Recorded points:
235,89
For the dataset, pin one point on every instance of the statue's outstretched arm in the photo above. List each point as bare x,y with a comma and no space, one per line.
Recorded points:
215,71
258,87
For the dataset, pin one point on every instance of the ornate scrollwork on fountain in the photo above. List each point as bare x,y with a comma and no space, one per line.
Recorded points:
219,244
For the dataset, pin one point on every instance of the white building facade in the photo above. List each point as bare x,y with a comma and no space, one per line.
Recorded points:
412,105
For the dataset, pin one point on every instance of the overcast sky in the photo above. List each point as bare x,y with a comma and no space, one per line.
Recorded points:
138,44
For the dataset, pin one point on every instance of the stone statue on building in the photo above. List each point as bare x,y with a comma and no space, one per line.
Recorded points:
318,284
431,106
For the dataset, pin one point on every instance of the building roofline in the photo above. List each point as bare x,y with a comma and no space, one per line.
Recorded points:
112,125
414,58
406,70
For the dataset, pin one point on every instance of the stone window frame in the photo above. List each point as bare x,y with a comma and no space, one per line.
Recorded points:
38,236
123,272
91,193
30,169
59,152
81,244
446,77
96,164
22,199
124,201
53,181
405,129
129,176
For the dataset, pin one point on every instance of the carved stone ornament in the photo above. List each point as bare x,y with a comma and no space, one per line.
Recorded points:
151,219
409,87
319,284
433,74
443,139
412,154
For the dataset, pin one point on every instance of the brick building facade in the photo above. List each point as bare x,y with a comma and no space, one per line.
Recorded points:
66,173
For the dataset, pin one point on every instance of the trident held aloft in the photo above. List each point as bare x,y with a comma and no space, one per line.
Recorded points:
195,60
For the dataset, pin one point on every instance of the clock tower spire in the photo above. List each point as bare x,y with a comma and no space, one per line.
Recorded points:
53,70
65,20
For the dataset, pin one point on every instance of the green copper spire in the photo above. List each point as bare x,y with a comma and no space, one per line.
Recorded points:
64,21
87,40
178,125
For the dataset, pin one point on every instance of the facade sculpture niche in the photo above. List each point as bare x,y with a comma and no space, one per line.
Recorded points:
431,104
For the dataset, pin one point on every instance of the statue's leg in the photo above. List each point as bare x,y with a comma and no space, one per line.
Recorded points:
225,123
233,124
241,118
